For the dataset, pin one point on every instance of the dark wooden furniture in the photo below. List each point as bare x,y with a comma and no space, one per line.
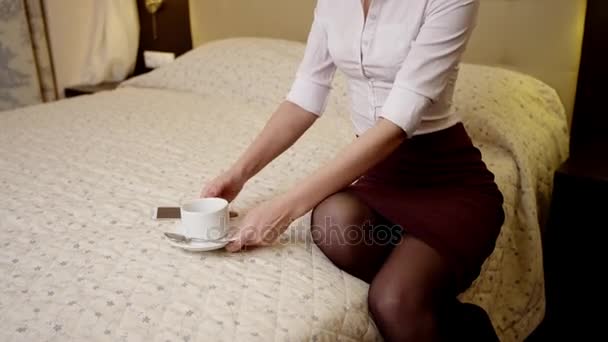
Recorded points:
89,89
574,250
173,33
590,121
574,238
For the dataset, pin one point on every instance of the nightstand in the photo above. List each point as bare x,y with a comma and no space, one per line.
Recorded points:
574,249
78,90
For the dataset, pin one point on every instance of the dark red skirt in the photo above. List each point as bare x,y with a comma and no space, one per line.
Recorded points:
437,188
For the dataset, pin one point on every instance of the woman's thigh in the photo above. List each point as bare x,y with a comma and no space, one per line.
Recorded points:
414,298
353,236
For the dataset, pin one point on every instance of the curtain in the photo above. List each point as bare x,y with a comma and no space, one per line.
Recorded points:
26,70
93,41
113,42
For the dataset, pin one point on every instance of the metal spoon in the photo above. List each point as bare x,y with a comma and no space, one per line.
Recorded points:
184,239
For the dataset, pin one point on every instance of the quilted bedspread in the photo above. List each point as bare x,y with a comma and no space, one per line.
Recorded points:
82,260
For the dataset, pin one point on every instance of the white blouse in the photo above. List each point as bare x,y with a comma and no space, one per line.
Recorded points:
401,62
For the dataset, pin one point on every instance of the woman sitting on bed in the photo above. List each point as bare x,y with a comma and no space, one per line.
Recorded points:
409,206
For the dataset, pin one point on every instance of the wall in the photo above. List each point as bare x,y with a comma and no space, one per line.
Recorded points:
92,40
65,18
286,19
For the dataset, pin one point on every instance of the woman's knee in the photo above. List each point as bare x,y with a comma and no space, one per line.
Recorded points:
385,302
403,313
339,219
341,209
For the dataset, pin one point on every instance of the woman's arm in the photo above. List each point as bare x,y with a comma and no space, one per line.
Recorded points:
358,157
283,129
422,78
305,102
266,222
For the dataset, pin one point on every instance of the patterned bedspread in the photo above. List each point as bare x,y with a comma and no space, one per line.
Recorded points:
82,259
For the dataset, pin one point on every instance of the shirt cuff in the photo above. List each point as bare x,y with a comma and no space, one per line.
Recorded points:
310,96
404,108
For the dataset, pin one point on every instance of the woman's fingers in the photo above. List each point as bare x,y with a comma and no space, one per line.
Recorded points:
248,236
240,241
234,246
210,191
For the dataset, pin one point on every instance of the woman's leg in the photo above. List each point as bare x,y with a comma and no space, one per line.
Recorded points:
408,292
414,298
352,236
411,294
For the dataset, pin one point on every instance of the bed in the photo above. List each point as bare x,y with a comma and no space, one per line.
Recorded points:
82,259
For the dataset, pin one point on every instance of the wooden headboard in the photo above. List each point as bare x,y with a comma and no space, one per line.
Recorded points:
173,33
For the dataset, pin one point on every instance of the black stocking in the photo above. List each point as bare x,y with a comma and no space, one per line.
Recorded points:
412,295
405,295
352,236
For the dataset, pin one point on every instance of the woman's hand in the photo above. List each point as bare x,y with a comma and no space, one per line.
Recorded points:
227,186
285,126
264,224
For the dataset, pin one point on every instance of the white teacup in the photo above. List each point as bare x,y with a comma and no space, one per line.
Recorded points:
205,218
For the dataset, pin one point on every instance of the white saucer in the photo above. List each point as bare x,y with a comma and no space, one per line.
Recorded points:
196,246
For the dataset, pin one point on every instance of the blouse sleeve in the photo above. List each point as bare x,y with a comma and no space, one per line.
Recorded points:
315,74
435,52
